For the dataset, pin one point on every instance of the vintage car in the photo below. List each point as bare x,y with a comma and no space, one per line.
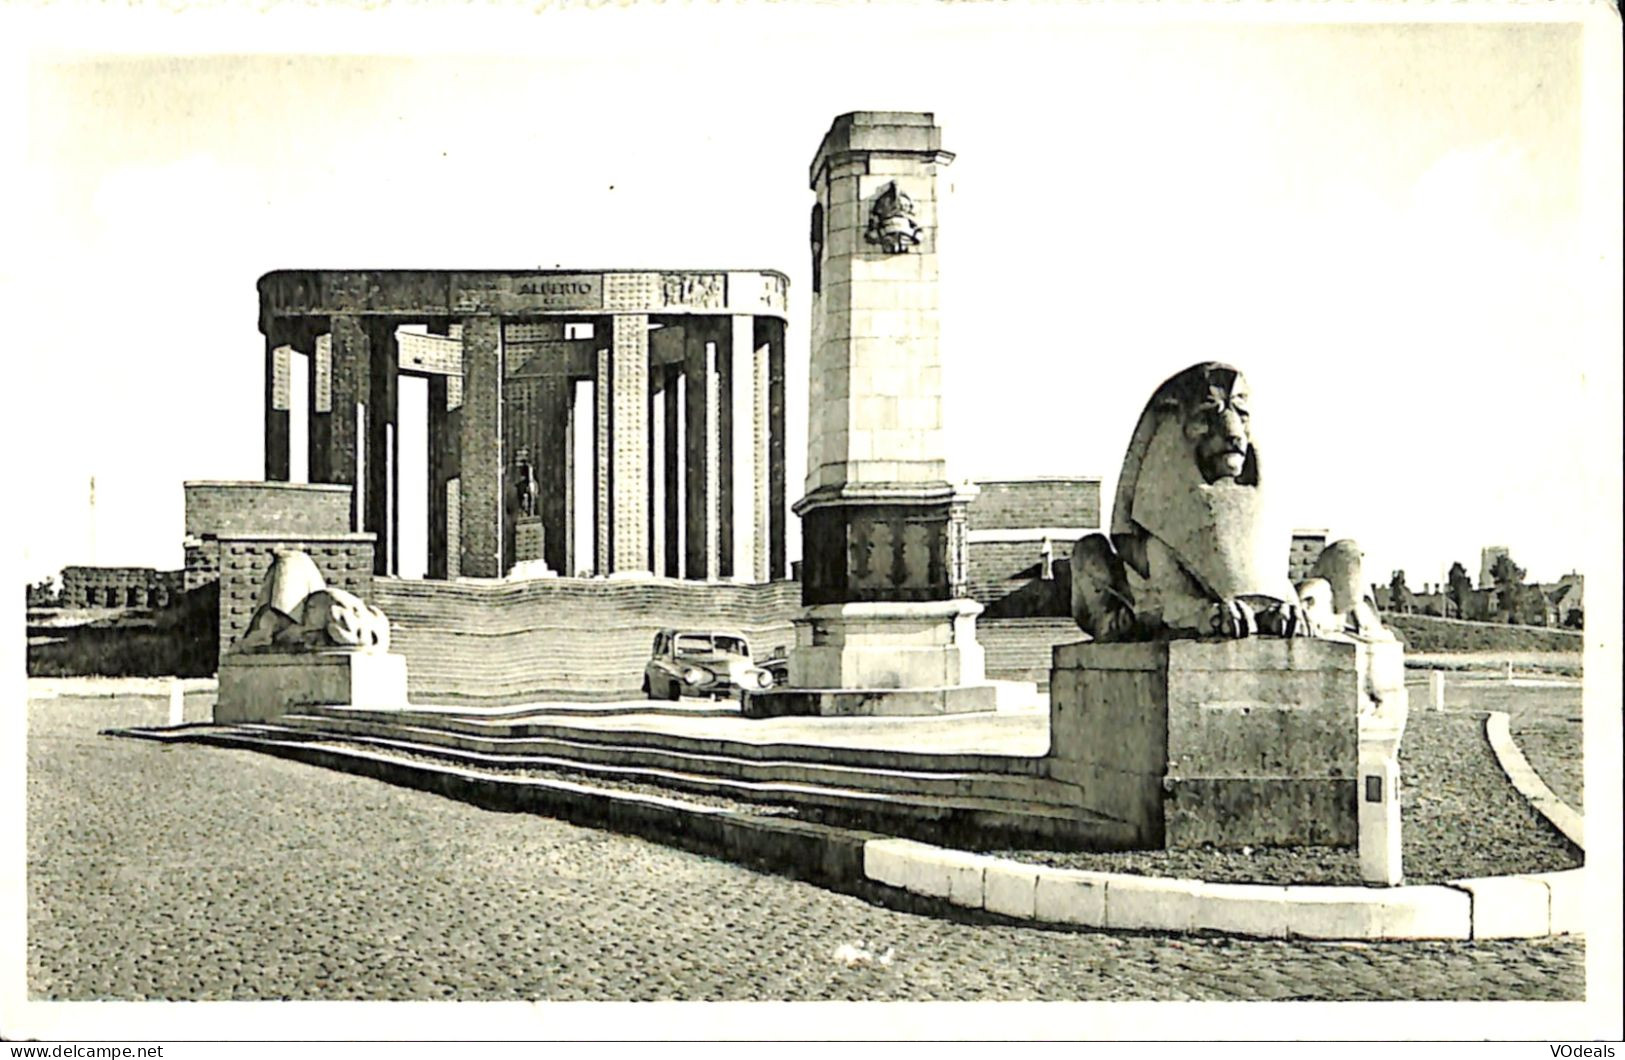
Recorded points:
701,663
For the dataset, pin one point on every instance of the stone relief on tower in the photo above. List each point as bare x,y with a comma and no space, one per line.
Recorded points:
891,221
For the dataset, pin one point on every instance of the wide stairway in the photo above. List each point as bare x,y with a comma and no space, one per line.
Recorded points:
974,800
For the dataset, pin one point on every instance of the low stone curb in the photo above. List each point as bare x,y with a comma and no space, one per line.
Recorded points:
1524,906
92,687
924,877
1498,727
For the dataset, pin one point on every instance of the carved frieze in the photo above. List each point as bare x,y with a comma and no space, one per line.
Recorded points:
324,372
693,290
281,378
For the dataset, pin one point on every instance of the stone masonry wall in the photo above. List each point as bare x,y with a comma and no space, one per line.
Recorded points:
1010,505
221,508
569,638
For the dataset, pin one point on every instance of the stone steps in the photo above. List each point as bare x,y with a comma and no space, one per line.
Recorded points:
969,821
594,749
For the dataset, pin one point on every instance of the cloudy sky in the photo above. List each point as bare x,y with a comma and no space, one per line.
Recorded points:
1388,227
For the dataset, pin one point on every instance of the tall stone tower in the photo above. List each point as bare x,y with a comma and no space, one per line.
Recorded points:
883,566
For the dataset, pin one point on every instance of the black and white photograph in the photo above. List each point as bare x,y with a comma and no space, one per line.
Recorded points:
748,504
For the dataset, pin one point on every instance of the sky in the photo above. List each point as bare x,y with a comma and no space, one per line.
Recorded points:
1389,228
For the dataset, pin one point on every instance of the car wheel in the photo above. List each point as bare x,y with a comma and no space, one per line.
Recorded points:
648,693
673,693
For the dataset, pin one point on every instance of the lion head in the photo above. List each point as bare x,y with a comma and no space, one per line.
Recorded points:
1212,402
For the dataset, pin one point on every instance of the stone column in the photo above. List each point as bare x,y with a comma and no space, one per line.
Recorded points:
278,374
442,466
352,386
881,610
571,425
480,477
761,478
382,487
601,461
739,469
722,427
778,514
654,523
697,470
629,549
320,347
672,470
552,459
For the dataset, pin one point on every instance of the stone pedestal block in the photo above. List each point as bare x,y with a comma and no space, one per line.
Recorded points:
883,659
887,645
527,538
1384,706
263,687
1247,742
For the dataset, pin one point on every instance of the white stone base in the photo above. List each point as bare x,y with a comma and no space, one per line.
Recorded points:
262,687
528,569
887,645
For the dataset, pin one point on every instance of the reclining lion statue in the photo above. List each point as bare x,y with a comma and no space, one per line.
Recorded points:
1194,550
297,611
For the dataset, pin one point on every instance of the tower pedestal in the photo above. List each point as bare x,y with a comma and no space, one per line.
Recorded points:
887,645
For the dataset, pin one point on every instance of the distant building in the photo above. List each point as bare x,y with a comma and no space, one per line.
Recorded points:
1567,598
121,587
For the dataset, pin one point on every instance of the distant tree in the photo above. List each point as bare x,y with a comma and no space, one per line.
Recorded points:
1461,589
1526,605
44,593
1513,601
1399,596
1505,572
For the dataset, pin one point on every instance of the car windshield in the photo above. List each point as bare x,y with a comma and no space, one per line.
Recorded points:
707,644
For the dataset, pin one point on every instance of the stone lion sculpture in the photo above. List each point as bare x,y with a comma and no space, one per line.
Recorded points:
297,611
1193,549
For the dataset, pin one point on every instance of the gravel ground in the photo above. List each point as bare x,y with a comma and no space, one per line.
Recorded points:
1461,818
189,872
1545,725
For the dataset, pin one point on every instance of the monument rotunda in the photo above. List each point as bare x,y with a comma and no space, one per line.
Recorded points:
518,365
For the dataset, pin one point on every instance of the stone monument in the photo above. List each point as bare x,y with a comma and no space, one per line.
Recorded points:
1217,703
529,530
885,626
308,644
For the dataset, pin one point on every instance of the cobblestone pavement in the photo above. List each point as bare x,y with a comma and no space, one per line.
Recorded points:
200,873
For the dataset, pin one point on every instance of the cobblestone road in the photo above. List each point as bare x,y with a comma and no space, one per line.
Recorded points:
200,873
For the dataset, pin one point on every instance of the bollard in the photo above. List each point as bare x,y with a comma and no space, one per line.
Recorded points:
177,702
1436,688
1381,860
